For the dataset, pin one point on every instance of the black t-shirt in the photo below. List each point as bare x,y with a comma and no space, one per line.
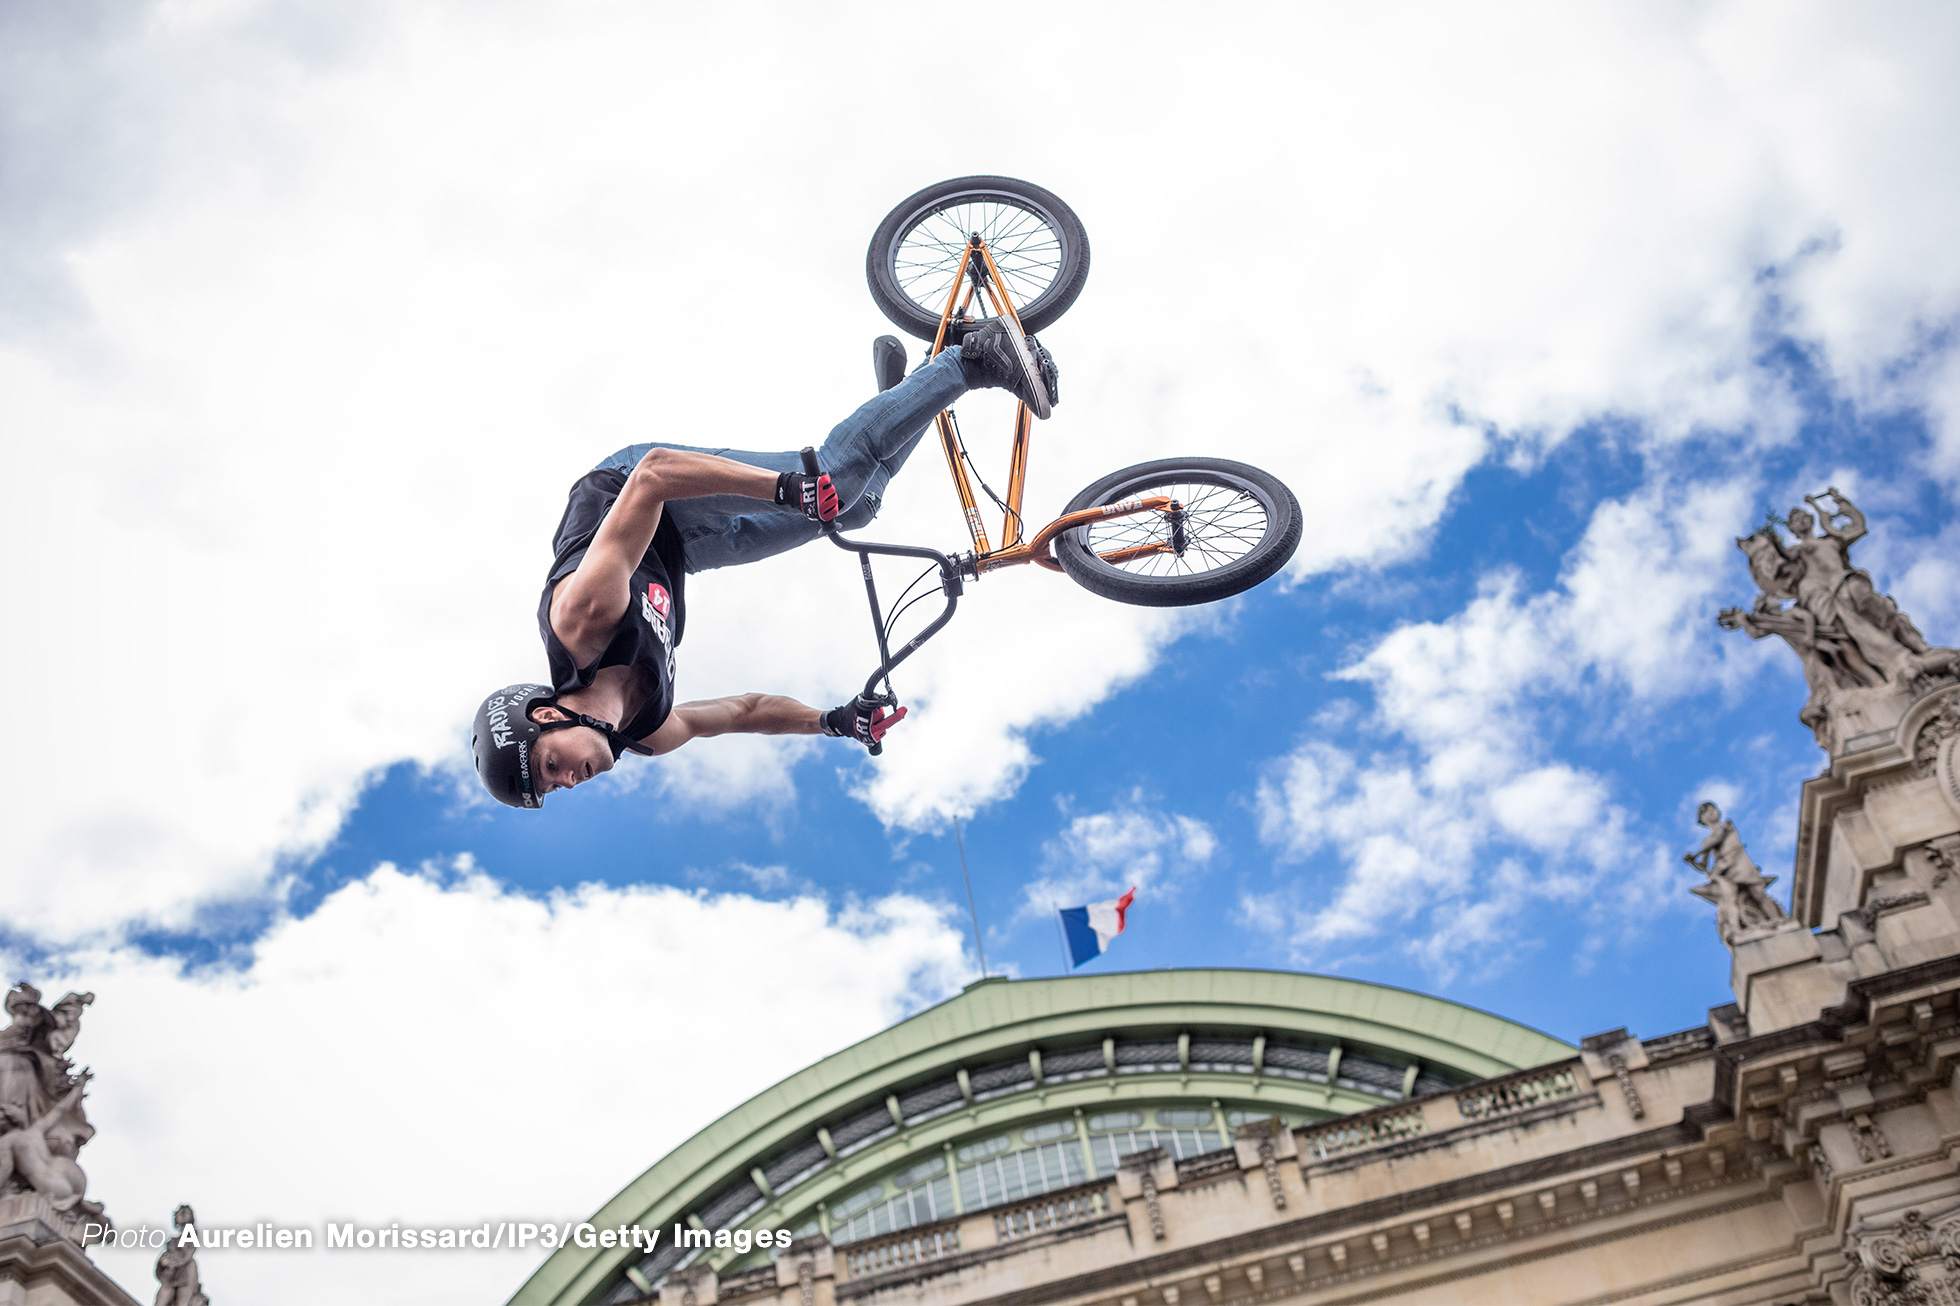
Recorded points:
651,629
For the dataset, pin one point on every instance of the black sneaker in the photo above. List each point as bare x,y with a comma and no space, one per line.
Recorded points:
887,362
995,353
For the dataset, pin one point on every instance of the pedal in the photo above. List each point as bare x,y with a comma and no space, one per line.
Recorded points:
887,362
957,328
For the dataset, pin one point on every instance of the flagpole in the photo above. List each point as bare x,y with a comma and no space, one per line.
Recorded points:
971,909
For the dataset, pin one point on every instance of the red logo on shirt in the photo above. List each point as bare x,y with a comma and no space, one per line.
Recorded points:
657,598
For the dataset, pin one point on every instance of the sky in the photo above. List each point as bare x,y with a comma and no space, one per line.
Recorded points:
309,315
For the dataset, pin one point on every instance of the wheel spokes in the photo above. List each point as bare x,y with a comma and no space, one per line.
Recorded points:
1025,248
1222,524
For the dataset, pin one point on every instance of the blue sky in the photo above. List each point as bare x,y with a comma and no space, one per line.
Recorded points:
308,318
1199,733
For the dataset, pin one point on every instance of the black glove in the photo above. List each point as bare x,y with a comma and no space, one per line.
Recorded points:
815,495
862,721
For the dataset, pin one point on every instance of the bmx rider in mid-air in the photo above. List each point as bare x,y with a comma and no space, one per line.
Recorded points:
636,525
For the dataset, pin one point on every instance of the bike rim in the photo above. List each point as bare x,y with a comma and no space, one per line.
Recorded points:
1224,522
1026,244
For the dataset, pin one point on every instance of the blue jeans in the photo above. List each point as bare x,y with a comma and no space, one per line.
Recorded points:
862,454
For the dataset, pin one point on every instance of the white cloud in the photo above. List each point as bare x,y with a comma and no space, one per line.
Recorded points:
1423,863
1422,838
1098,855
435,1048
1634,607
363,295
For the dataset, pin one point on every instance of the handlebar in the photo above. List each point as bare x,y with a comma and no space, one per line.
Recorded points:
949,585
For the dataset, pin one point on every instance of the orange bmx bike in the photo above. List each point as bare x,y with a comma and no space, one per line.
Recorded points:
1169,533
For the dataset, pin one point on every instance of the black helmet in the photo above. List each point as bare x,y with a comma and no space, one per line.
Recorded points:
504,733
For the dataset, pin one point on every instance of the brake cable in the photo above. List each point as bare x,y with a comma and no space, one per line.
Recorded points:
1020,525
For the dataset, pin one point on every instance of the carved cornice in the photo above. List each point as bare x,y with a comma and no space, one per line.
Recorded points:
1678,1046
1863,1174
1831,1023
1828,1031
1567,1246
1223,1252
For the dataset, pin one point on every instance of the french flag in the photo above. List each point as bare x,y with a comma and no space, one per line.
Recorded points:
1089,929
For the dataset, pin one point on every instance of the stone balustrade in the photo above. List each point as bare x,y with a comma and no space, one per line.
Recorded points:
915,1246
1057,1210
1519,1092
1357,1133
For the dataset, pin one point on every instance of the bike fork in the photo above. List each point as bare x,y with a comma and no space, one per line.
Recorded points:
949,584
877,618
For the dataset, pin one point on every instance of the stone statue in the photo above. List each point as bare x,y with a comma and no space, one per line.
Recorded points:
1827,660
1735,886
1835,591
34,1070
1863,659
30,1157
177,1268
42,1123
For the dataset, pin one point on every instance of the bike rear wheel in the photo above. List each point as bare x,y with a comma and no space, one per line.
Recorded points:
1240,526
1036,241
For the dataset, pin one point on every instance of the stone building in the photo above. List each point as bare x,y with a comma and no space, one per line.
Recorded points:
1218,1138
1002,1119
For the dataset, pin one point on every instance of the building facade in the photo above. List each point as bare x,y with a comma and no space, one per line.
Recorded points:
1235,1138
1020,1097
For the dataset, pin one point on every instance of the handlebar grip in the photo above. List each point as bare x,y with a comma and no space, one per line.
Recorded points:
877,750
810,468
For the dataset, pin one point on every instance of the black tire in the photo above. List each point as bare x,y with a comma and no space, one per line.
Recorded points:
1241,526
1043,252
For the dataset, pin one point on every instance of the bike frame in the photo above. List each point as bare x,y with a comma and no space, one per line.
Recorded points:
978,275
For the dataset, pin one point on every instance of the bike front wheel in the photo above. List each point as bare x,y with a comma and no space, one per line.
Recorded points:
1036,241
1239,526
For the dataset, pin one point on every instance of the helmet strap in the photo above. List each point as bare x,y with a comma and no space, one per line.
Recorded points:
606,728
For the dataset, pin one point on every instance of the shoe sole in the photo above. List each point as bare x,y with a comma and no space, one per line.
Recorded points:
1029,368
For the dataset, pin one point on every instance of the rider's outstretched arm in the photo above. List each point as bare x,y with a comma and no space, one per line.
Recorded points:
770,714
587,605
739,714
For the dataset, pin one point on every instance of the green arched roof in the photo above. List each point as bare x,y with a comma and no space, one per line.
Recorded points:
1388,1035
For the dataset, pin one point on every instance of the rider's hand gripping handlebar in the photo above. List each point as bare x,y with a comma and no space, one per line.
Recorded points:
810,468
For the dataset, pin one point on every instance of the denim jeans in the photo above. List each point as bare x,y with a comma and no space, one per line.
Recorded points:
862,454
